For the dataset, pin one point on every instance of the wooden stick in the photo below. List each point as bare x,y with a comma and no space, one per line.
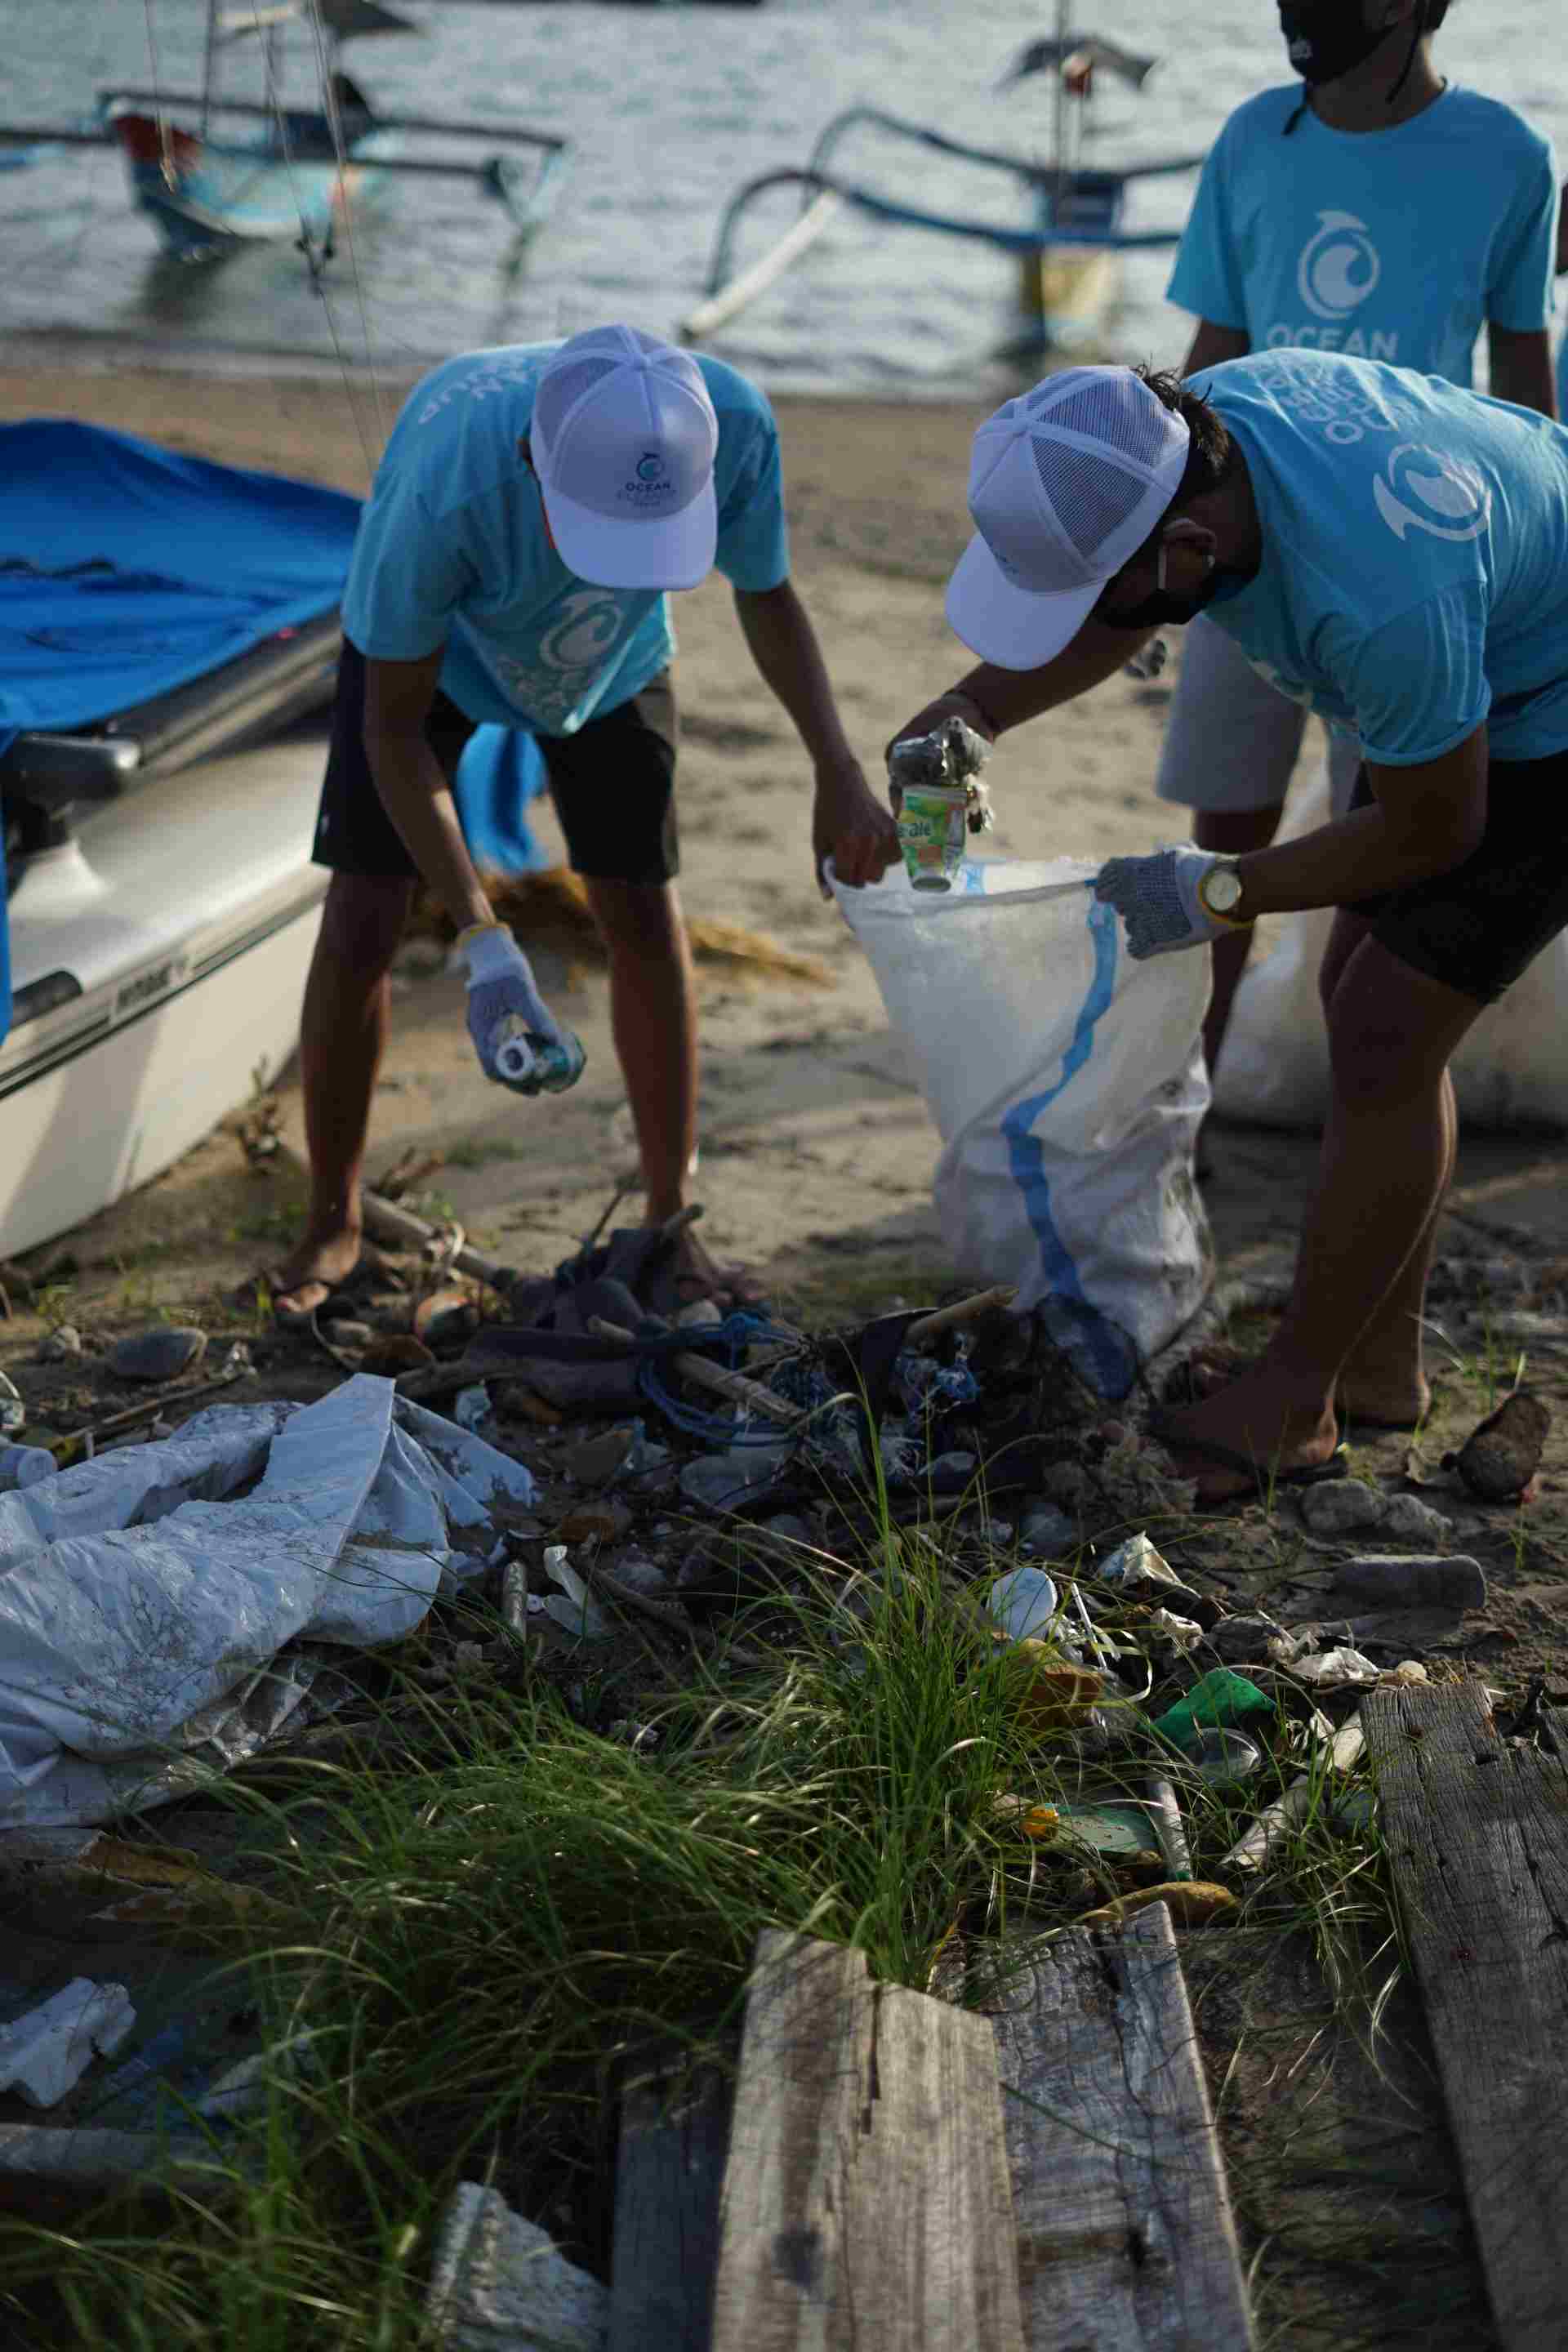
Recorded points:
962,1311
65,1449
734,1385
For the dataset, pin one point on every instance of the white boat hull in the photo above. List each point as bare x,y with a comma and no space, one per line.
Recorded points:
158,962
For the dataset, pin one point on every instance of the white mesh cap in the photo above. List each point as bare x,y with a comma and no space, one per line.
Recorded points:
1065,484
623,437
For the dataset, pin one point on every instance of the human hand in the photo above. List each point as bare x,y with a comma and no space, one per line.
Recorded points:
954,704
852,827
519,1043
1157,899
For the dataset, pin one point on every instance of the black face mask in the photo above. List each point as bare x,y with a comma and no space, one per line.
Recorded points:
1326,38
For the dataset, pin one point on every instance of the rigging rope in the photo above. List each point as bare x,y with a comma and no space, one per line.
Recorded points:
335,125
165,129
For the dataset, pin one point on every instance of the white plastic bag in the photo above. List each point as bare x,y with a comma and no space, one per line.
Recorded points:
1511,1072
1067,1083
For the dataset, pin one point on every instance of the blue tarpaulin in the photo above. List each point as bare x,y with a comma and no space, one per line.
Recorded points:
127,570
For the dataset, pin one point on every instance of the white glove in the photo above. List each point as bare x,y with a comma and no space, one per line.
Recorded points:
1157,899
517,1039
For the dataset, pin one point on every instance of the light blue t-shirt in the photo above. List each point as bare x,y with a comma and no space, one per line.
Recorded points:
1415,573
1395,245
452,547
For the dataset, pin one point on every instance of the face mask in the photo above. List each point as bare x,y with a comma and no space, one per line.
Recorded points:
1167,605
1326,38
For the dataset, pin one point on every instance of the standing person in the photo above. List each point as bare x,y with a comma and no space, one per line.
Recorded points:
1384,213
533,505
1396,552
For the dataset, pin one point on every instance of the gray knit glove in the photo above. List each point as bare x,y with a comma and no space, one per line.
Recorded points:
1157,899
517,1039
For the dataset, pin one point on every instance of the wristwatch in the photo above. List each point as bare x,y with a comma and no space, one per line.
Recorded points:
1219,893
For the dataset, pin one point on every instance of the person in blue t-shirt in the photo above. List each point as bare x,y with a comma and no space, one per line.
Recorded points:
533,506
1384,213
1393,552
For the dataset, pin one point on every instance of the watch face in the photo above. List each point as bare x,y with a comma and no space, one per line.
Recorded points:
1222,889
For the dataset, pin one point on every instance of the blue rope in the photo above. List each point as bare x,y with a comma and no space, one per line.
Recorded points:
735,1334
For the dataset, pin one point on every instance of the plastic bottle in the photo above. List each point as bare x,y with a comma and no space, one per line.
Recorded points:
23,1465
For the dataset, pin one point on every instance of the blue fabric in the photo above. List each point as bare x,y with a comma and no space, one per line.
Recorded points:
127,570
501,769
1415,573
453,550
1394,245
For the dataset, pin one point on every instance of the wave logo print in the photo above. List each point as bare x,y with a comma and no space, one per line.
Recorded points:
1339,267
1421,489
649,467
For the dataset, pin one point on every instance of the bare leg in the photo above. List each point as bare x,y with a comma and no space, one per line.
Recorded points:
1386,1157
653,1018
1230,834
342,1036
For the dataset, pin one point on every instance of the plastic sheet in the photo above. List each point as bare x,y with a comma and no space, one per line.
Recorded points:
144,1608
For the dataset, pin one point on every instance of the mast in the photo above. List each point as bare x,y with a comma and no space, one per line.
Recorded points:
209,62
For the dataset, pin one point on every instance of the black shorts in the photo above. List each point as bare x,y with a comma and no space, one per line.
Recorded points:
613,784
1478,925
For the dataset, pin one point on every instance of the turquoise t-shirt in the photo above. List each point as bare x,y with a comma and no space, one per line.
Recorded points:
452,549
1415,573
1395,245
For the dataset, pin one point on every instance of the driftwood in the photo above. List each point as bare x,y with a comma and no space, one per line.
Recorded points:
962,1311
723,1382
1125,2236
1477,1838
670,2174
866,2206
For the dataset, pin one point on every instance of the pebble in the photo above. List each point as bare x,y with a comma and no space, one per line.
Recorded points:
160,1355
13,1412
1346,1504
1253,1639
348,1335
1499,1460
593,1461
1048,1533
1418,1581
66,1341
638,1574
1414,1521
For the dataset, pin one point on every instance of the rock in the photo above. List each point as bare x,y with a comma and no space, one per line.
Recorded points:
499,2284
1048,1533
1410,1520
637,1573
1068,1483
348,1335
602,1521
593,1461
160,1355
1344,1504
1500,1457
1419,1580
60,1344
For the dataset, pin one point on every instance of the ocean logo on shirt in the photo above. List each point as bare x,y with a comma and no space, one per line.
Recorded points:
1339,267
1336,401
573,655
1291,688
1424,490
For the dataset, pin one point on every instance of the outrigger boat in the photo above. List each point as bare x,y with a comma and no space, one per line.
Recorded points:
1066,246
211,193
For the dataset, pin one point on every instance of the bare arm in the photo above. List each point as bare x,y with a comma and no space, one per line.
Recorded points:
1211,344
1425,820
850,823
993,699
413,792
1521,368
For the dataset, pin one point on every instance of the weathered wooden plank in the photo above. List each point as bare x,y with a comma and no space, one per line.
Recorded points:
866,2205
1126,2240
1477,1836
670,2173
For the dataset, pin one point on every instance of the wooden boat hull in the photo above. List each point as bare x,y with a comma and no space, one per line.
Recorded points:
207,198
158,964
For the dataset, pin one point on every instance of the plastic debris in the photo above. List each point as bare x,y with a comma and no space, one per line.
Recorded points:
61,1345
1253,1639
499,2284
1056,1697
1346,1506
1225,1758
579,1613
720,1481
13,1412
1179,1634
1337,1670
1288,1811
1048,1532
23,1465
160,1355
1136,1564
44,2053
1220,1698
1023,1603
471,1407
1423,1581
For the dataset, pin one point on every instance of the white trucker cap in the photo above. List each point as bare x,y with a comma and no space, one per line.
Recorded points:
1065,483
623,440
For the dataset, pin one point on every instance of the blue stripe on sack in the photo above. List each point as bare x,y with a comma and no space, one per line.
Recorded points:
1114,1368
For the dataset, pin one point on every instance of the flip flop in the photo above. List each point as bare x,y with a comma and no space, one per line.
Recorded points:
1226,1457
369,1271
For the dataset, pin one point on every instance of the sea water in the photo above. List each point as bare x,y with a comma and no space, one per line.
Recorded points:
669,110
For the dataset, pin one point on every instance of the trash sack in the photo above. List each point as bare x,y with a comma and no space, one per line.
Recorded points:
1067,1083
1510,1071
143,1615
